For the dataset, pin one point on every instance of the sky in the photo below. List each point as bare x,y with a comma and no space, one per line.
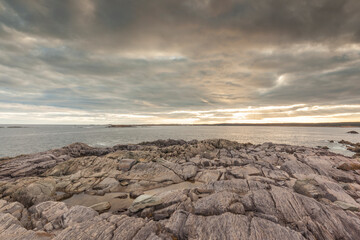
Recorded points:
183,62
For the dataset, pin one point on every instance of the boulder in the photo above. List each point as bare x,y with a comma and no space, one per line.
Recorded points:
144,201
10,228
135,194
49,213
17,210
349,166
101,207
36,192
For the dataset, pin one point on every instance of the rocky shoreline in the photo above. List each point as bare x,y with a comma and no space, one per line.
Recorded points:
352,147
173,189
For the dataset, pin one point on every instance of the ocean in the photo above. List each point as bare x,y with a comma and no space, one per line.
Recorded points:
37,138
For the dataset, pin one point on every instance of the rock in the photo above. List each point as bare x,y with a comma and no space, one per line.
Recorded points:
135,194
48,227
59,196
144,201
48,212
147,231
225,226
110,184
10,228
160,200
243,172
353,147
101,207
127,227
130,227
36,164
185,171
126,164
309,188
208,176
296,168
276,174
218,203
36,192
93,228
347,206
122,195
264,229
349,166
353,132
164,143
228,226
265,191
28,165
239,186
148,175
17,210
345,142
77,214
334,190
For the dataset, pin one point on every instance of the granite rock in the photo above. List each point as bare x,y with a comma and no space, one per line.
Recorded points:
210,189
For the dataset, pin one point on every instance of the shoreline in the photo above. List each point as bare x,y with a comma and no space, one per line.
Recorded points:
349,146
331,124
180,189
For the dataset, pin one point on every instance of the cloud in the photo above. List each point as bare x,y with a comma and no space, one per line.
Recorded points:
35,114
139,57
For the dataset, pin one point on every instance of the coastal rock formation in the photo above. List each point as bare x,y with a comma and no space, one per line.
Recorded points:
36,164
173,189
353,147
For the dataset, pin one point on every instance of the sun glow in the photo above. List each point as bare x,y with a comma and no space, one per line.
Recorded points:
300,113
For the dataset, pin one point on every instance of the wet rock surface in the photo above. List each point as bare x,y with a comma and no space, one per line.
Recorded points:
352,147
173,189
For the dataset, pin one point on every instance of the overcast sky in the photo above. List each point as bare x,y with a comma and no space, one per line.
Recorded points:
179,61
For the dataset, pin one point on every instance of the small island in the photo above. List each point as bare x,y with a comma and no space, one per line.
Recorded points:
119,126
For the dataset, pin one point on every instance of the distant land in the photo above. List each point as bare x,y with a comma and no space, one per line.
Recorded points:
337,124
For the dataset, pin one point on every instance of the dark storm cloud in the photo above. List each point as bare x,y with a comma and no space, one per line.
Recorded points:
167,23
154,57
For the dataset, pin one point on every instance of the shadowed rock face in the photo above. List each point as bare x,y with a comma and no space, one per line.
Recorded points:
238,191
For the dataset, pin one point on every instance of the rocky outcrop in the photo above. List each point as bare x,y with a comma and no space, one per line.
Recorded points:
353,147
211,189
36,164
